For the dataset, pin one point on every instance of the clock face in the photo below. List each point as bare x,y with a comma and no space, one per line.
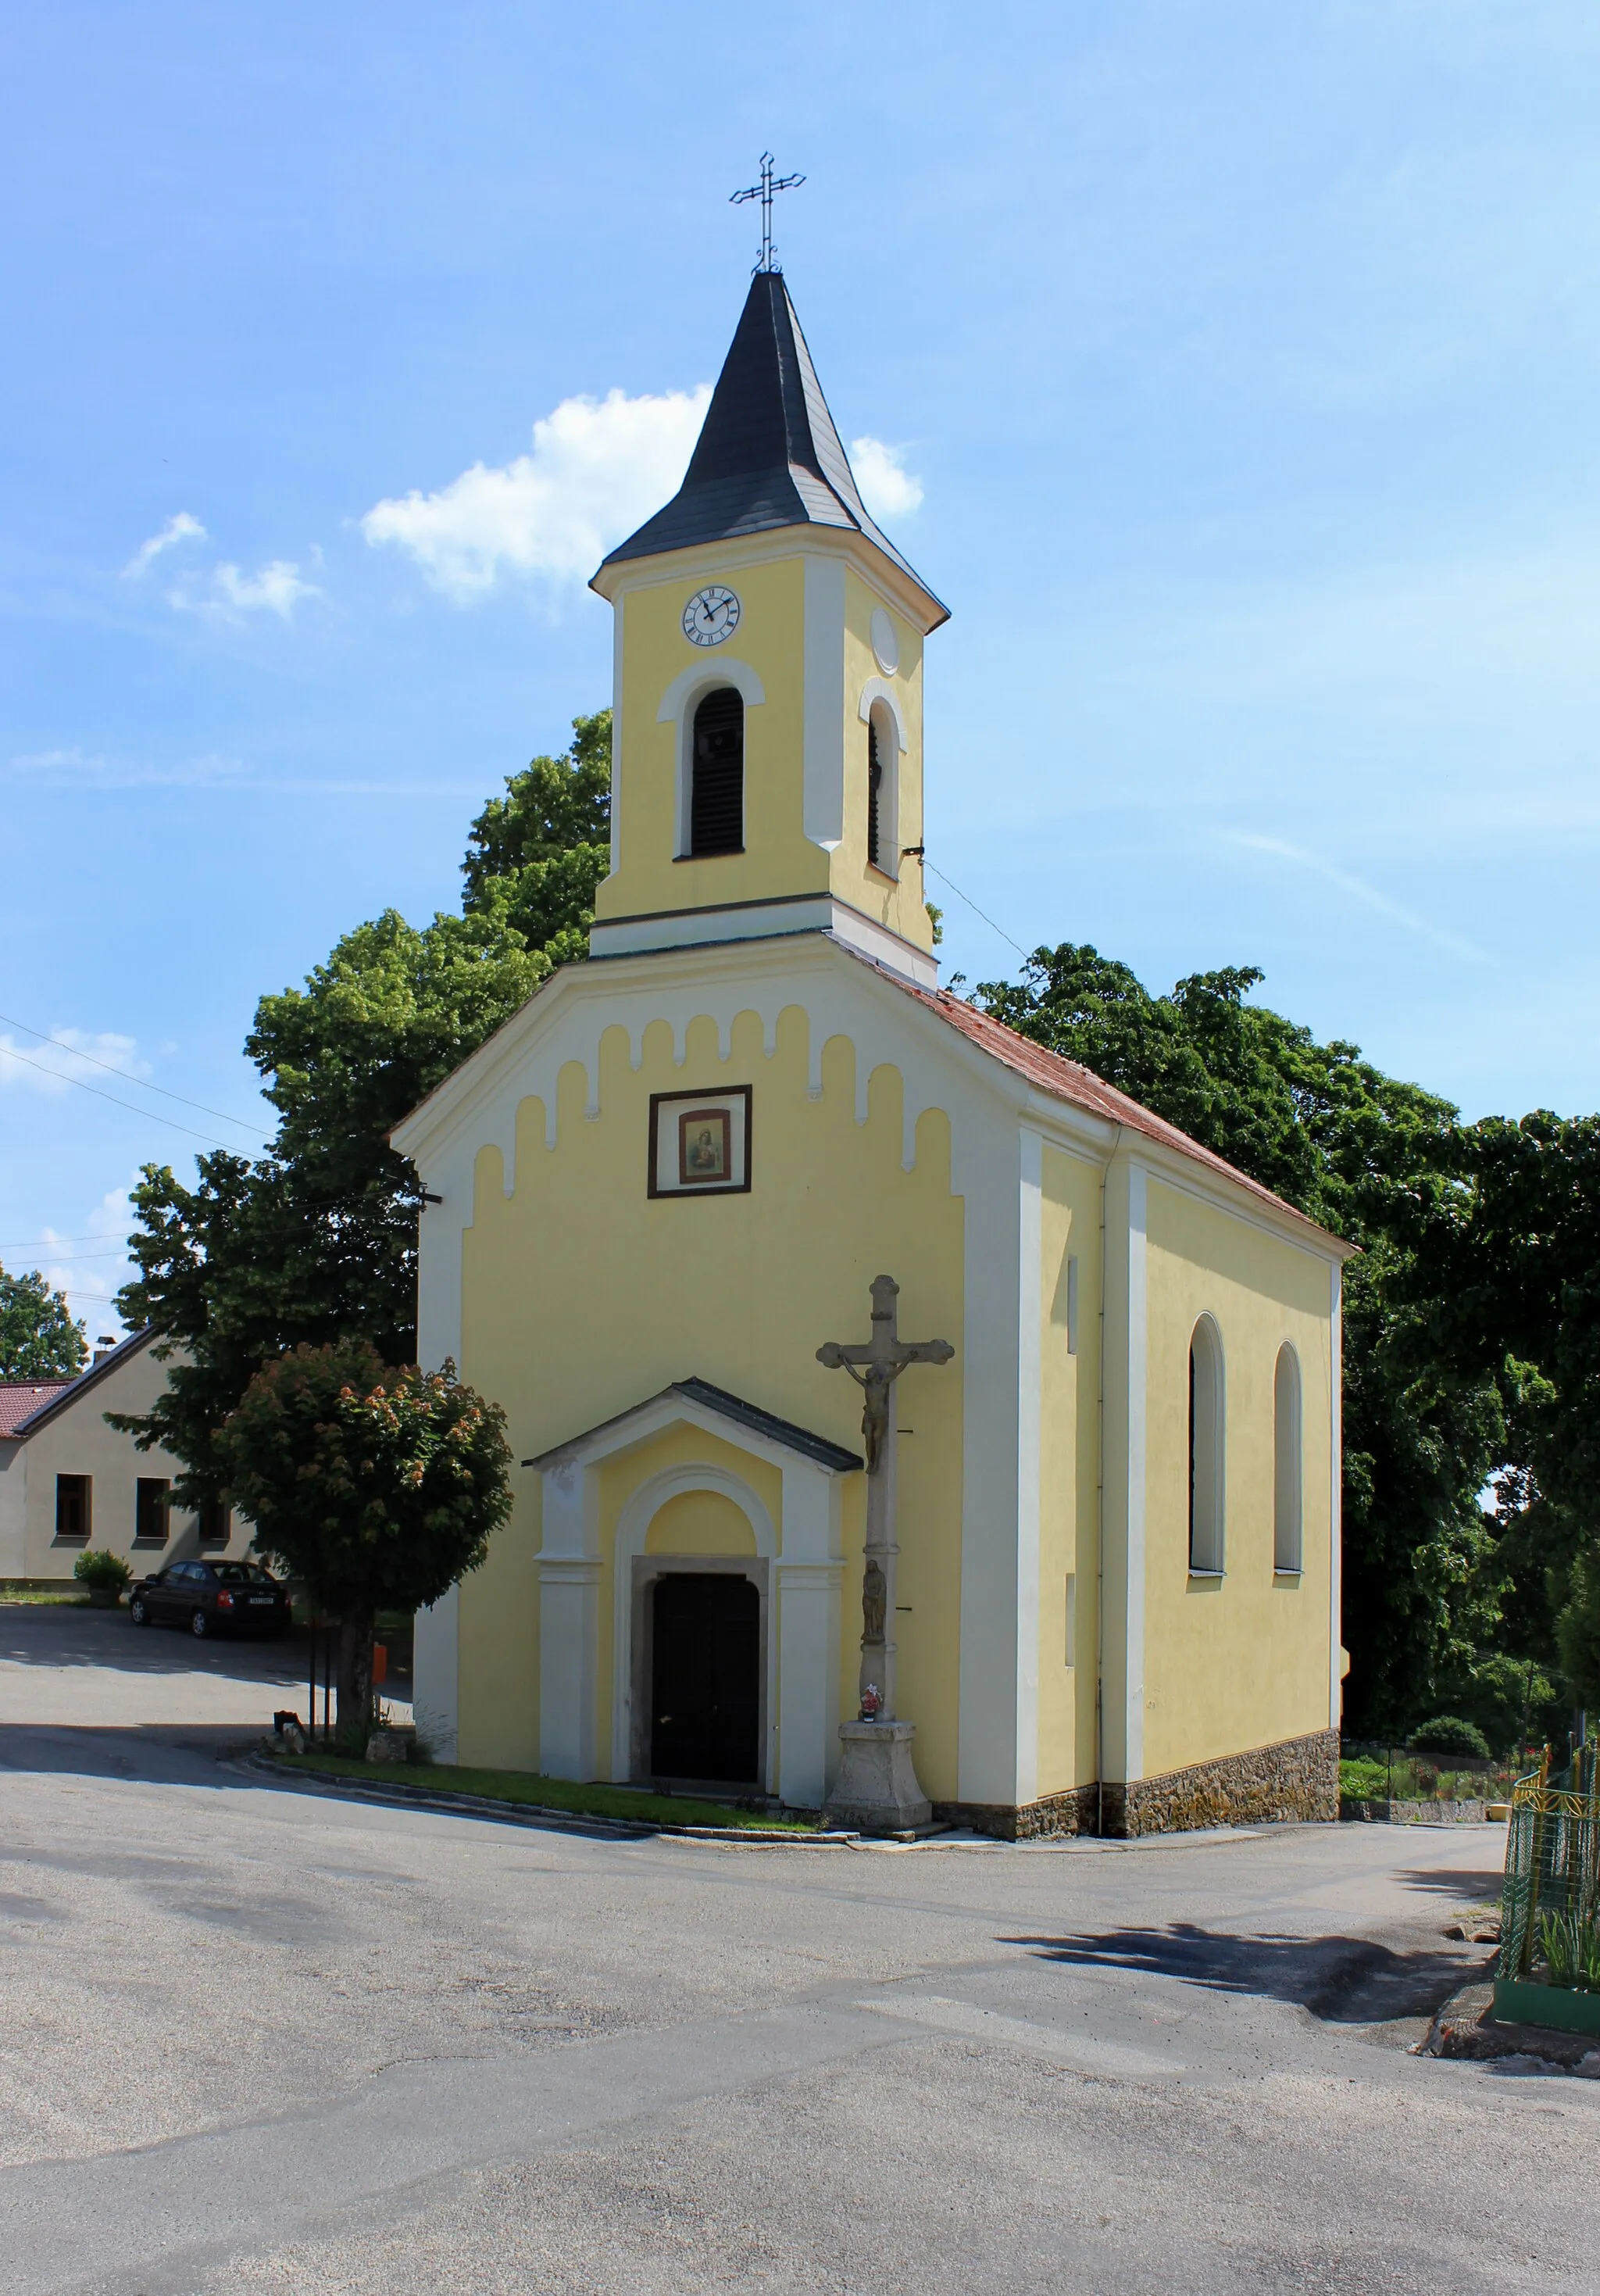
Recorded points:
711,615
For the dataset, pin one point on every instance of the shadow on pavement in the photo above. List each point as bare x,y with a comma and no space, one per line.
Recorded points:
1464,1885
1343,1980
158,1753
110,1640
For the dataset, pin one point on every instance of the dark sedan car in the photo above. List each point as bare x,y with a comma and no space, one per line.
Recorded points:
211,1598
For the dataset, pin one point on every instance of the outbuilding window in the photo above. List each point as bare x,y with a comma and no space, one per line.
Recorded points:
153,1497
716,804
72,1508
1207,1419
1287,1465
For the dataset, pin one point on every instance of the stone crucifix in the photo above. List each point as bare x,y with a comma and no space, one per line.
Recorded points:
875,1368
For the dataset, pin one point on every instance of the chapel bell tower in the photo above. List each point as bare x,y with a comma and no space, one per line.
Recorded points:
767,759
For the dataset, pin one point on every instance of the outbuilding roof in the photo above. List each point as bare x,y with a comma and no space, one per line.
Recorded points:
52,1396
769,454
19,1399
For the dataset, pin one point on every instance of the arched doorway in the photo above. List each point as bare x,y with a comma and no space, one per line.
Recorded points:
705,1678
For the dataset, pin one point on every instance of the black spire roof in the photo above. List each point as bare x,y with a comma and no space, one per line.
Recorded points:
768,455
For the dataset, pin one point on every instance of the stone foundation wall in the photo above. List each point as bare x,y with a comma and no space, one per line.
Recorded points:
1074,1811
1298,1778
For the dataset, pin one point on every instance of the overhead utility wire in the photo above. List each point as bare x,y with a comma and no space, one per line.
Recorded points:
973,906
66,1259
111,1070
12,1054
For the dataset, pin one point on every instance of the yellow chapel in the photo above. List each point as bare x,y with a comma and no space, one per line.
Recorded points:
673,1176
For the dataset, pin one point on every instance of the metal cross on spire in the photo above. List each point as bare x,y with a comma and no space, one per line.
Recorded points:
763,192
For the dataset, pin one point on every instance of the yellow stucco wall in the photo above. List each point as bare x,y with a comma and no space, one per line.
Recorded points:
894,899
779,858
1240,1660
582,1297
1068,1469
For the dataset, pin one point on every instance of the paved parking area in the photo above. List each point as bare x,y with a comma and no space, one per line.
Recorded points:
80,1669
256,2040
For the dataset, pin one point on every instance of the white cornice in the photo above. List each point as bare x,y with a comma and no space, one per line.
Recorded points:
895,588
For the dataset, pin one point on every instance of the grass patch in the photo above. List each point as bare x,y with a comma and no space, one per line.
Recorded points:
547,1793
75,1600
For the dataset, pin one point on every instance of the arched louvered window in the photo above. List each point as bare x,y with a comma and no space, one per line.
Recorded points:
716,810
875,792
883,831
1207,1419
1287,1470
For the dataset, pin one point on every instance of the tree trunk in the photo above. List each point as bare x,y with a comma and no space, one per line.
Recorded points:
355,1681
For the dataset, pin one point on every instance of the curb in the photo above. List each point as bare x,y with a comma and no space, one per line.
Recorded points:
1467,2027
391,1794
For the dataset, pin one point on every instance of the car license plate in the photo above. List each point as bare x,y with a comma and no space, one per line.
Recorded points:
262,1602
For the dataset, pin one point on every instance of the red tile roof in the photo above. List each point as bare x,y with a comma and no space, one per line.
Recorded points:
19,1399
1069,1080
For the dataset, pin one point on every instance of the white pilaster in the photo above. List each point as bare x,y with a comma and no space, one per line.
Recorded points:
1030,1309
822,801
1123,1501
1335,1496
808,1680
568,1645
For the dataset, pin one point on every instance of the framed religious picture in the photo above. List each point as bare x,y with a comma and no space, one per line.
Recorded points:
700,1143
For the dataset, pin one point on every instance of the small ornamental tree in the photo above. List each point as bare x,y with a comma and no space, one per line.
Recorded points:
375,1487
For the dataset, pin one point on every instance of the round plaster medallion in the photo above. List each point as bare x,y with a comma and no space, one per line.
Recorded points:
886,645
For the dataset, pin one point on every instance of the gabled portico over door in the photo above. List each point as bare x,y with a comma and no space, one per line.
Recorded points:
637,1501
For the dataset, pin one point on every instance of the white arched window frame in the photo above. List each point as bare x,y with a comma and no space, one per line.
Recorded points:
1288,1464
1207,1450
677,710
880,712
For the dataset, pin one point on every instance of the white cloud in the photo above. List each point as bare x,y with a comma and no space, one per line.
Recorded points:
276,589
888,489
1358,889
47,1067
94,769
93,1264
184,528
598,468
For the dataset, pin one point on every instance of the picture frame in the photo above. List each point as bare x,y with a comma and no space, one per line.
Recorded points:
699,1143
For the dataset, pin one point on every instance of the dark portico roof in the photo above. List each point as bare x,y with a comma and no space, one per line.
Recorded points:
768,455
734,1407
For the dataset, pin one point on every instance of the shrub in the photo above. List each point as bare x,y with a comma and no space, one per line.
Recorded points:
1448,1733
1572,1948
1364,1778
95,1568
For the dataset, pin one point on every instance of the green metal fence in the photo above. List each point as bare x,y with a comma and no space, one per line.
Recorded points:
1550,1915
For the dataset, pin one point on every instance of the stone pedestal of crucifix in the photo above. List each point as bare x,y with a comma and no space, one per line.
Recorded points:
876,1791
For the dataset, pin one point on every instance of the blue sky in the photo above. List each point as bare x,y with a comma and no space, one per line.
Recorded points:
1244,359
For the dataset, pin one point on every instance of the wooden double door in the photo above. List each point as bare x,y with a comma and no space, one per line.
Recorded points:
705,1677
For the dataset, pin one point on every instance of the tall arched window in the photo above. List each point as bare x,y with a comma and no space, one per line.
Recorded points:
1207,1421
874,791
1287,1469
882,828
716,804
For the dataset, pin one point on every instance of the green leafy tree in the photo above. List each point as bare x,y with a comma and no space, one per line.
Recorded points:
38,1339
1578,1630
375,1489
541,850
317,1240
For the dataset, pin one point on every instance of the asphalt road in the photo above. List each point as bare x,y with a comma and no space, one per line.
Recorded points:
258,2040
